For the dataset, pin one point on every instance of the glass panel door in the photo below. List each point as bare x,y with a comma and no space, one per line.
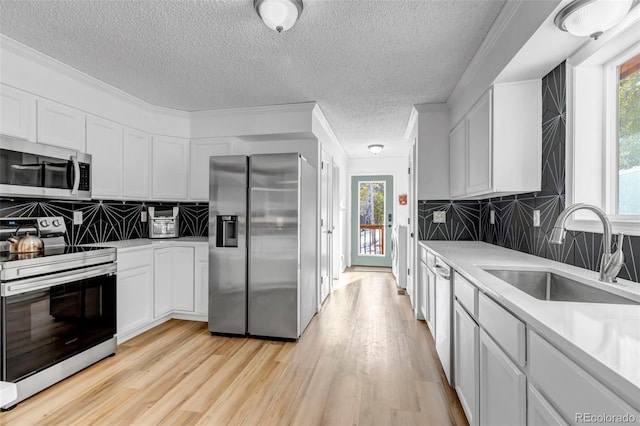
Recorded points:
372,220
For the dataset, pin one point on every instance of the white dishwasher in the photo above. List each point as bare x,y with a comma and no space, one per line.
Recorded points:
444,337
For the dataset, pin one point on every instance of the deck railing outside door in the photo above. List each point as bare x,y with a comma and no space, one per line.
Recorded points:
371,239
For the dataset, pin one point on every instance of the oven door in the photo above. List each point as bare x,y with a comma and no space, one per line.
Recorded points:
48,319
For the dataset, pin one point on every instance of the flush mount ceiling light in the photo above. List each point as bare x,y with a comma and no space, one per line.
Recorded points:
591,17
375,149
279,15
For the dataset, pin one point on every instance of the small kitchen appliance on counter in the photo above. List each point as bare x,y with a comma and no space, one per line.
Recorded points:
57,305
164,222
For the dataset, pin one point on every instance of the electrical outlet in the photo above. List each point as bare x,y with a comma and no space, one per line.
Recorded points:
77,217
143,216
492,217
536,218
440,217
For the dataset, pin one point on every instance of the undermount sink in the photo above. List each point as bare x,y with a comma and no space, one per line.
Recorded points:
546,285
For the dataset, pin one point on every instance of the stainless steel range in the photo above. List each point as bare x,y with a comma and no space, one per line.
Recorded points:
58,306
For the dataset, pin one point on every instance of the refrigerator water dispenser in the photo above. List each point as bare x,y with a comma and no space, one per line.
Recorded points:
227,231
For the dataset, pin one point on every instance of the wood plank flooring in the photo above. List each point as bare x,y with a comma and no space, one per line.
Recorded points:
363,360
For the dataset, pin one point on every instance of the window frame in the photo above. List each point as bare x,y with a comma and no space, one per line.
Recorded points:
592,112
611,139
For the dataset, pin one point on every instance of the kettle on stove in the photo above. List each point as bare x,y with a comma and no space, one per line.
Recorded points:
27,243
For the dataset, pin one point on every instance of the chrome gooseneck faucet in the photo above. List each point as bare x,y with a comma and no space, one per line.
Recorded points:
610,264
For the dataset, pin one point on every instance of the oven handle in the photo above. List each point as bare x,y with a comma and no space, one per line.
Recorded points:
76,175
46,281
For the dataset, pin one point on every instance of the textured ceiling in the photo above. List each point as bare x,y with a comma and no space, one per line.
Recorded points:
366,62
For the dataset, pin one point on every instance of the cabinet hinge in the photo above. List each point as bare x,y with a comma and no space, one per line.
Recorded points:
409,170
408,271
321,223
408,221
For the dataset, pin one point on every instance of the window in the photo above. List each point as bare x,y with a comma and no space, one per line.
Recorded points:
628,182
603,130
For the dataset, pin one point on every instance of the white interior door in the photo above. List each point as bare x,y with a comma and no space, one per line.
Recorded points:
325,227
412,229
336,234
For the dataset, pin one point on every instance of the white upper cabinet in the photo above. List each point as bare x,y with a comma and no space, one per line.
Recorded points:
479,145
457,160
431,134
170,162
501,149
61,126
17,113
104,143
136,165
201,150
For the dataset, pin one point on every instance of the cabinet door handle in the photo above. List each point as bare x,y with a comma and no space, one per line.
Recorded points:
443,272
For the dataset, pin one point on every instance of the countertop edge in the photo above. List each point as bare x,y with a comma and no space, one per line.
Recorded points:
146,243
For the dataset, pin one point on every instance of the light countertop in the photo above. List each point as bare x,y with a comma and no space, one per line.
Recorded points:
139,243
604,338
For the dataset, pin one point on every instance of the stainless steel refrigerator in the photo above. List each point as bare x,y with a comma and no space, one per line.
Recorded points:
262,245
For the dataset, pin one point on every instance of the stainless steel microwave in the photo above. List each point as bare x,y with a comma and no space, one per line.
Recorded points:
29,169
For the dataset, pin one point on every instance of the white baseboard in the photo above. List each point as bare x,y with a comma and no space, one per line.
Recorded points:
189,316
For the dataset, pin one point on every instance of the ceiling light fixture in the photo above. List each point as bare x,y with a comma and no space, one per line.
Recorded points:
375,149
279,15
591,17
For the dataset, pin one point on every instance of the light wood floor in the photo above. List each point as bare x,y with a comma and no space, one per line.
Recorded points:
363,360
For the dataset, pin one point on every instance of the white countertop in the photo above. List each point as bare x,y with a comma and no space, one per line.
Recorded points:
604,338
138,243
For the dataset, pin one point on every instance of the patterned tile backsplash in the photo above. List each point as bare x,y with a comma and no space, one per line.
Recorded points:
513,227
106,220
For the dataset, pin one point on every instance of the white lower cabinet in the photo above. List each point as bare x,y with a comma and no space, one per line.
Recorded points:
431,301
202,279
503,392
134,291
173,284
156,282
466,347
423,291
182,279
575,392
540,412
163,275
